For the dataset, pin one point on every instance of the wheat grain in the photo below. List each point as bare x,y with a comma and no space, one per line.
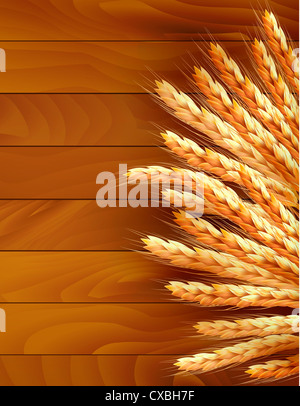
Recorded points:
258,103
222,264
224,203
234,295
251,242
241,352
221,132
227,203
279,46
243,248
275,368
256,189
281,93
249,128
222,166
260,327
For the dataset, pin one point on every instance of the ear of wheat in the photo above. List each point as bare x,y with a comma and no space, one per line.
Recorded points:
256,126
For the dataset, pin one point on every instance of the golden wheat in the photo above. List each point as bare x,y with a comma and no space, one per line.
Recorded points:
243,248
225,168
280,91
259,327
258,103
278,44
205,260
249,194
241,352
275,368
224,134
237,115
234,295
227,203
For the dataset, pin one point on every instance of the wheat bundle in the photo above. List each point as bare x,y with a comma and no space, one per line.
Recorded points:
252,129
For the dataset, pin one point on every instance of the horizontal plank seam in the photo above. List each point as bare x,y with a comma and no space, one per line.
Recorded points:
83,146
100,93
70,250
101,355
90,303
136,40
91,355
63,198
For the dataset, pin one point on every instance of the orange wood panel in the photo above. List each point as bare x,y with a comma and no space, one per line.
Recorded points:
119,280
101,329
100,119
95,370
84,277
136,19
77,225
42,172
102,67
85,120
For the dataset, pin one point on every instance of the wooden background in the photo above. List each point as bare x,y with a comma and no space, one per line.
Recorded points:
83,305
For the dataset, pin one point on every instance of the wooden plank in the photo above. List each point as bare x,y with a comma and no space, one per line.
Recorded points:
68,173
84,277
114,329
77,225
136,19
115,371
101,119
103,67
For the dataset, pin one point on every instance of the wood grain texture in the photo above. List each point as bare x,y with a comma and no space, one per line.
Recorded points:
110,371
84,277
129,120
100,329
69,173
76,225
98,305
102,67
101,119
136,19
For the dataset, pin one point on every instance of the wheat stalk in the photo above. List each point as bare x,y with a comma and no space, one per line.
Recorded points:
257,102
227,203
275,368
234,295
283,52
252,222
243,248
280,91
222,264
218,130
241,352
225,168
249,128
260,327
249,195
284,219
